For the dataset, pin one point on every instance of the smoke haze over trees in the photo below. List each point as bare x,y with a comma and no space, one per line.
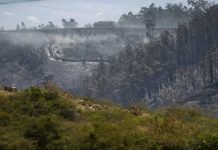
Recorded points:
146,81
159,55
143,71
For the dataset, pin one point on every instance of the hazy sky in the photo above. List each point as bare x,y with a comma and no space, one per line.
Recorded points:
35,12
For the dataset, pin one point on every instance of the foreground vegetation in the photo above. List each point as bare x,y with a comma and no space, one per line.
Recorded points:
47,118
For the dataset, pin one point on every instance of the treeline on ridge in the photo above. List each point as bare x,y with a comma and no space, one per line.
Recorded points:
141,71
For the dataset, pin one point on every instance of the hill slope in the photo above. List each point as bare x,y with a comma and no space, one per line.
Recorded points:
47,118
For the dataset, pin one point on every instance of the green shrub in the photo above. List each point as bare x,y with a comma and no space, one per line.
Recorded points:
5,118
46,118
10,140
50,95
33,93
207,142
43,130
61,144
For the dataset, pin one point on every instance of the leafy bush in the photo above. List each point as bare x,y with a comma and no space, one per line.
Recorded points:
5,118
43,131
33,93
46,118
207,142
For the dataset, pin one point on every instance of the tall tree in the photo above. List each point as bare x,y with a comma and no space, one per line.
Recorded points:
18,27
23,26
104,24
69,24
130,20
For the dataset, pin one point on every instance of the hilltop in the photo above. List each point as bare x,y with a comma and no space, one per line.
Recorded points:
48,118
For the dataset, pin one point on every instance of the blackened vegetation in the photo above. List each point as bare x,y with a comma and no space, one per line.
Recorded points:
20,63
171,65
160,69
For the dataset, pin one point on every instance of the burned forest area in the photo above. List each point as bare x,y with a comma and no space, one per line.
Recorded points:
146,81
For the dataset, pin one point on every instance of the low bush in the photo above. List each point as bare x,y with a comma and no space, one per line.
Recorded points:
46,118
